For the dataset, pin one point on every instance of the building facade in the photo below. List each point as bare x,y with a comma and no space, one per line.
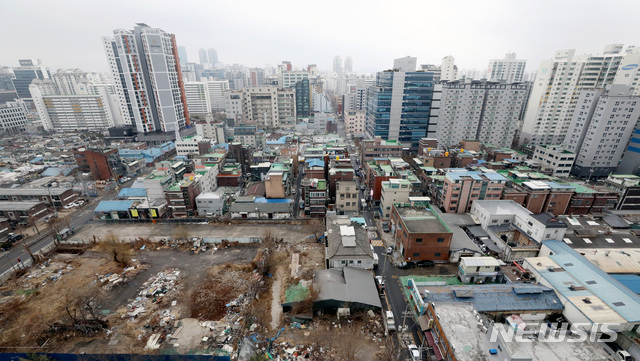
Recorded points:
509,69
462,188
554,159
487,111
399,105
393,191
600,130
145,65
419,233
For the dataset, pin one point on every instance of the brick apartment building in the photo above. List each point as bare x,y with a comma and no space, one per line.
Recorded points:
461,188
104,164
419,233
541,196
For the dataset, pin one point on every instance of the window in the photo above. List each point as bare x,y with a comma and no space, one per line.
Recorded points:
416,255
418,240
437,254
440,240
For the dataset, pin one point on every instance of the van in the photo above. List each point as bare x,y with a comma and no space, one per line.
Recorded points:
391,322
623,355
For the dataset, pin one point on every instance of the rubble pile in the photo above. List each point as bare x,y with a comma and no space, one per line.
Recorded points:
45,273
109,280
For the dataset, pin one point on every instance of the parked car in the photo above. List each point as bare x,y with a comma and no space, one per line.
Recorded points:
425,263
415,353
301,205
406,265
390,250
380,283
14,237
385,227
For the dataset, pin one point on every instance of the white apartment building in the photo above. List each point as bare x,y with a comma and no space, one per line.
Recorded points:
198,101
555,159
393,191
354,123
215,131
600,129
233,105
269,107
509,69
217,90
145,65
207,177
288,79
487,111
72,112
13,117
354,100
629,71
448,69
210,204
557,87
190,145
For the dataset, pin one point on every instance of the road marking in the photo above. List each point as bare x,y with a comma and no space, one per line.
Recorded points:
377,243
394,276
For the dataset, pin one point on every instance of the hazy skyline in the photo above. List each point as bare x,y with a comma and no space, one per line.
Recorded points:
68,34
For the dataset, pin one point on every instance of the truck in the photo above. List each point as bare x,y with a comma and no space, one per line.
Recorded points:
390,321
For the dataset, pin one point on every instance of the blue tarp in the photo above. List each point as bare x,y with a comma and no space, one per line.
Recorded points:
113,206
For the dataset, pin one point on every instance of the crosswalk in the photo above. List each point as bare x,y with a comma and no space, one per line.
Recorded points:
377,243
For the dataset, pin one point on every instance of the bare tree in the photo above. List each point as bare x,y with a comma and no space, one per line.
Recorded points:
390,352
120,251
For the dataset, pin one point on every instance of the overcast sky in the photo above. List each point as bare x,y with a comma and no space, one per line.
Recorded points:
67,33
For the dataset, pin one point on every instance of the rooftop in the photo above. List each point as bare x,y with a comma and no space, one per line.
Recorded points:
17,206
609,300
456,175
459,323
418,219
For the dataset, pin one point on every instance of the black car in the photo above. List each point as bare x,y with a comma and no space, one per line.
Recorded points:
406,265
13,237
425,264
385,227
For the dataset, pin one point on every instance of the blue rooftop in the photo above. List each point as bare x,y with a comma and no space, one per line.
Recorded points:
560,185
475,175
113,206
132,192
359,220
314,163
56,171
272,200
282,140
632,282
498,297
580,272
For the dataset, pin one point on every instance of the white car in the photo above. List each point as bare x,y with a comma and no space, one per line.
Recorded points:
80,203
415,353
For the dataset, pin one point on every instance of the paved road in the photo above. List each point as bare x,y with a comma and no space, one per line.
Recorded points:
395,296
76,220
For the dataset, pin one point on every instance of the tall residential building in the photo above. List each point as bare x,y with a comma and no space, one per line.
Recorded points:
448,69
355,100
13,117
303,98
213,56
28,70
337,64
354,122
557,87
406,64
487,111
288,79
600,129
198,101
348,65
80,110
202,54
509,69
629,72
399,106
182,54
267,107
145,65
206,96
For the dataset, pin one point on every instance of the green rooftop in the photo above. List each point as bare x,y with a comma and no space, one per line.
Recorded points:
296,293
322,185
580,188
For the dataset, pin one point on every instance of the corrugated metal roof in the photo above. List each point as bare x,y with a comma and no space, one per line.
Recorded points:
498,297
598,283
132,192
347,285
113,206
480,261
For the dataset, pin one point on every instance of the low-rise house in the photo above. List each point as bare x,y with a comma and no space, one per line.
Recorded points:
347,244
211,204
479,270
24,212
347,196
261,208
